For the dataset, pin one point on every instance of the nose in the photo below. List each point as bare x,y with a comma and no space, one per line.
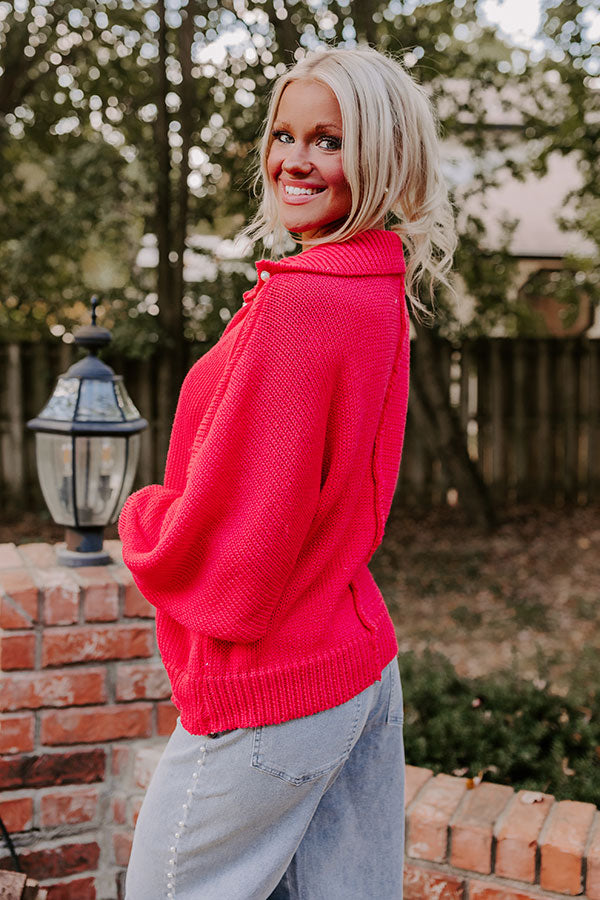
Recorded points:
297,160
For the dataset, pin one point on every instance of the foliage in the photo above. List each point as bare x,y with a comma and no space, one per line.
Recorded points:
513,731
566,286
106,107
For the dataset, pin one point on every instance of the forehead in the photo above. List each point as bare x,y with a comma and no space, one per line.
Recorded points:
309,101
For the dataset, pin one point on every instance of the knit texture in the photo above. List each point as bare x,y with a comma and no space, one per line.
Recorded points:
280,474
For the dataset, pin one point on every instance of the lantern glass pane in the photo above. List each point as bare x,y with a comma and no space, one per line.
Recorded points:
55,470
135,441
62,403
128,408
99,473
97,402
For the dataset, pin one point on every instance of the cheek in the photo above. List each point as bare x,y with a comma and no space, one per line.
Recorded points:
274,159
338,182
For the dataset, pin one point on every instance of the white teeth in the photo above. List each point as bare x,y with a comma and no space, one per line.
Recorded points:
298,190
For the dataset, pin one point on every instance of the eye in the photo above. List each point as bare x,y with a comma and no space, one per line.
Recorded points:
283,136
328,142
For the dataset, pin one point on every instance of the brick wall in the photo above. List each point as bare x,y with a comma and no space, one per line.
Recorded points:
84,711
84,715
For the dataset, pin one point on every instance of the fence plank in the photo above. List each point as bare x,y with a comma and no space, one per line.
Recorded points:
584,400
542,445
13,436
593,460
569,393
519,421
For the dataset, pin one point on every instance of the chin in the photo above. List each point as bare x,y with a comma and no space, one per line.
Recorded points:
316,230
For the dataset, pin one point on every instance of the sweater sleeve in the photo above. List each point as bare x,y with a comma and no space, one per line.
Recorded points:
215,550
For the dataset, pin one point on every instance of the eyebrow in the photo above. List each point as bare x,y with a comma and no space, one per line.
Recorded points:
319,126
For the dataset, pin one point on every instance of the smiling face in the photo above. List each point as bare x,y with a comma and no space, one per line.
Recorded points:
304,162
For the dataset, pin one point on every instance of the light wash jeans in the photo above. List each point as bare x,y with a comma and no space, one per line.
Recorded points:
311,809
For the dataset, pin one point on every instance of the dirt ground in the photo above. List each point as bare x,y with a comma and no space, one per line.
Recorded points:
526,597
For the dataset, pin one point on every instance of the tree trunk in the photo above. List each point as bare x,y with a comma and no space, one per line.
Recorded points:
163,184
169,303
442,430
185,115
362,16
286,33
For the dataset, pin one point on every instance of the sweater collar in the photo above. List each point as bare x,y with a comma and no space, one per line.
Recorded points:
372,252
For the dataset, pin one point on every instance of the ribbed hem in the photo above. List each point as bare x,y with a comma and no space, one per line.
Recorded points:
273,695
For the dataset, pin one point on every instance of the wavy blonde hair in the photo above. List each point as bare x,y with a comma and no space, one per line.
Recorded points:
390,157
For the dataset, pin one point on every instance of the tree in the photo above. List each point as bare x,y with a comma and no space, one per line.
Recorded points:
136,118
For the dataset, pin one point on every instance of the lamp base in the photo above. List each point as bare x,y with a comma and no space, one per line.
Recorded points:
75,558
83,548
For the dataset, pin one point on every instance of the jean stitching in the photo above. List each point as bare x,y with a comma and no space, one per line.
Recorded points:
394,718
301,779
171,873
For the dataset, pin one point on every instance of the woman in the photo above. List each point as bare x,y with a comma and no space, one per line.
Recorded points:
284,777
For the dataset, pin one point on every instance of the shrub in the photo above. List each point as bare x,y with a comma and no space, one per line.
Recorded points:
511,730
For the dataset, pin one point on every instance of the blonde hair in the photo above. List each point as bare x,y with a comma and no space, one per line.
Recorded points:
390,157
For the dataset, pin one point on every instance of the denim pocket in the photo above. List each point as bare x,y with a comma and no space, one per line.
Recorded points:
303,749
395,713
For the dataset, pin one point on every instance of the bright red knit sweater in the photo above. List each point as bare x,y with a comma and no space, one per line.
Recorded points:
281,469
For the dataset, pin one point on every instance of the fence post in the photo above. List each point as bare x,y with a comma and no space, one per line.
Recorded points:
12,439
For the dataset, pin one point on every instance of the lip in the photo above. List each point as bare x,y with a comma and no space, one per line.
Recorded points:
299,199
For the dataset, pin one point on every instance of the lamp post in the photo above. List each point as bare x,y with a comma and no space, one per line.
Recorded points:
87,449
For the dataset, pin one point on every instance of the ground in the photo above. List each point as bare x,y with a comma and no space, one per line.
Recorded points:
525,597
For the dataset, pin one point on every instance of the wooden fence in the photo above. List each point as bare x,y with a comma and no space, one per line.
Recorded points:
530,409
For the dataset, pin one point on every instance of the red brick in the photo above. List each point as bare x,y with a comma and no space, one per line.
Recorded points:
119,809
562,846
146,761
9,557
136,805
428,817
166,718
59,860
53,769
136,605
472,826
18,599
91,725
121,758
67,687
517,835
16,733
71,645
17,651
484,890
101,594
415,779
70,806
592,881
147,681
76,889
423,883
41,556
17,813
122,841
60,596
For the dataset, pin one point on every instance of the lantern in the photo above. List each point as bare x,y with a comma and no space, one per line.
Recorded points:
87,449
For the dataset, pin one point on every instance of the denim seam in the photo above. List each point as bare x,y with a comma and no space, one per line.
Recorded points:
171,873
394,718
301,779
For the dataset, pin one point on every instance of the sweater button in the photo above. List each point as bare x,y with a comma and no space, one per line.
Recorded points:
264,275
